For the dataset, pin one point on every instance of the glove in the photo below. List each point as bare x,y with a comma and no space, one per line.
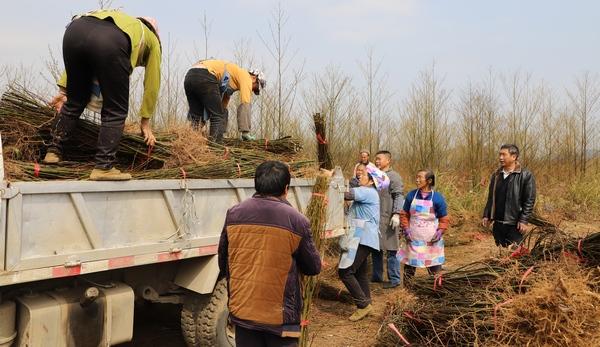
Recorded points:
395,221
437,236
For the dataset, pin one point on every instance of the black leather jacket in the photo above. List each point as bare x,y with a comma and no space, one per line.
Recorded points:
520,196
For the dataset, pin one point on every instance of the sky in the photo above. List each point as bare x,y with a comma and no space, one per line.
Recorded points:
552,40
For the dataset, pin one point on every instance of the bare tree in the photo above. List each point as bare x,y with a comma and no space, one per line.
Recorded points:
523,107
424,126
206,28
104,4
547,132
477,126
327,94
585,102
376,98
278,45
170,104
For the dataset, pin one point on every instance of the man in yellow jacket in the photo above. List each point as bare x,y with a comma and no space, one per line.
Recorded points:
105,46
208,86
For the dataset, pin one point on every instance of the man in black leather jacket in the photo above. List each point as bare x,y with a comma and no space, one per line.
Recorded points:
510,199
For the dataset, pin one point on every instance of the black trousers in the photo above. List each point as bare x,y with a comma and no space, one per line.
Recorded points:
95,48
202,92
506,234
254,338
356,277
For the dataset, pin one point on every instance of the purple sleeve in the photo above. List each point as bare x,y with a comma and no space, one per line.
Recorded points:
440,206
307,255
223,252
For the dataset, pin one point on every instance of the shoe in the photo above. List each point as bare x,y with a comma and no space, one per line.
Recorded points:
248,137
389,285
52,158
361,313
109,175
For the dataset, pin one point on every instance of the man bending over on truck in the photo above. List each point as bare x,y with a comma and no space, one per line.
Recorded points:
101,49
208,86
265,245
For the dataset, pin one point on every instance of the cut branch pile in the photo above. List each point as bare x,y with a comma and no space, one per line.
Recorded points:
285,145
26,123
316,212
544,293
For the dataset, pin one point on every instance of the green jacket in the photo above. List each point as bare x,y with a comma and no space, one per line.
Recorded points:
150,58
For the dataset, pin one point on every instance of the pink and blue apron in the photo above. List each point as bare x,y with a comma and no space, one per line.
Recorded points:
420,251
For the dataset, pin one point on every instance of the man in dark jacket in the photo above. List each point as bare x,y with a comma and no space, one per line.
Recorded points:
511,198
391,201
265,245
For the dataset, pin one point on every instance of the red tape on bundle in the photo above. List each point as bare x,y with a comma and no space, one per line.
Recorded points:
183,173
520,251
580,250
321,140
395,330
239,169
437,282
266,144
36,170
304,322
496,310
527,273
226,154
410,315
570,255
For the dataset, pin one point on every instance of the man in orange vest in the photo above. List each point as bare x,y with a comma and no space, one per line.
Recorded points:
209,85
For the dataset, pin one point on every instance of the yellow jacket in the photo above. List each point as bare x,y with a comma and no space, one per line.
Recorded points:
239,78
142,40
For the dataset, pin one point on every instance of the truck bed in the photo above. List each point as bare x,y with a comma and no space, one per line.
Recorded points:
56,229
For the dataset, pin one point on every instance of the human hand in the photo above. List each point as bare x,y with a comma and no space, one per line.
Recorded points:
437,236
395,221
326,172
522,227
485,222
58,101
149,138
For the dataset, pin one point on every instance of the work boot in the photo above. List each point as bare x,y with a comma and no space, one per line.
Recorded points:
361,313
109,175
52,158
108,144
246,136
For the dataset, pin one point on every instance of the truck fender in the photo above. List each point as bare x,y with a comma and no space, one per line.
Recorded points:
199,274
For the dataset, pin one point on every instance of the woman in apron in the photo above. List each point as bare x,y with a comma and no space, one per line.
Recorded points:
363,237
424,220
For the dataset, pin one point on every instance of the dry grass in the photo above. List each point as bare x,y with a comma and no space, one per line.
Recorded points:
188,146
559,309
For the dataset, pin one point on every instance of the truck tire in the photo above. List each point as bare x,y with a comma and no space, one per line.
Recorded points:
204,319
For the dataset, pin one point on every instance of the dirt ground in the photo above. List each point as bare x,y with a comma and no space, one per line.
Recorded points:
330,326
159,325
